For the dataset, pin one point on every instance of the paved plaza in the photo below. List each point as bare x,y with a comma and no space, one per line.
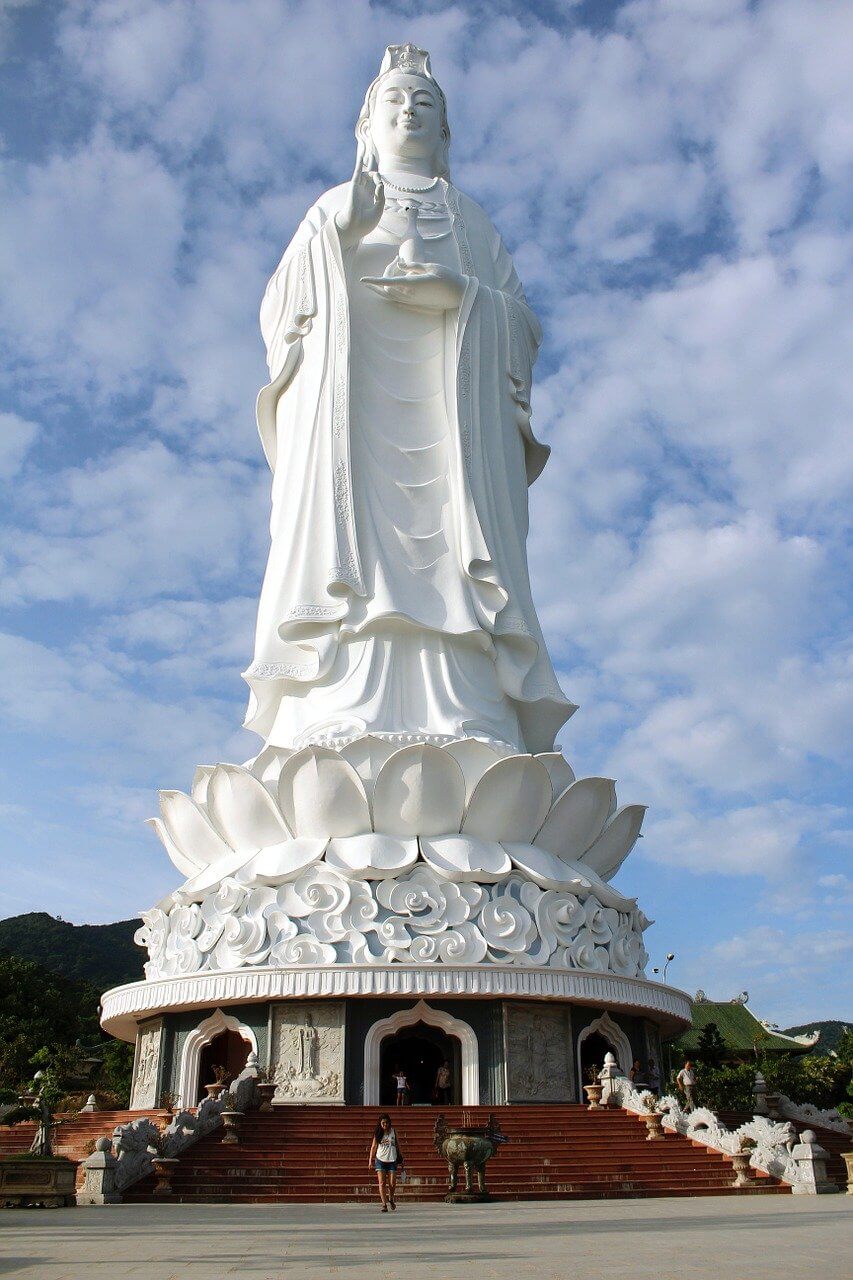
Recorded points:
718,1238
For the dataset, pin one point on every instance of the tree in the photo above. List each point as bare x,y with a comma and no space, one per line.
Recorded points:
711,1048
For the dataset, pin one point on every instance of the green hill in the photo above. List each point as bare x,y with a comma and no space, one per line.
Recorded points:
830,1033
104,955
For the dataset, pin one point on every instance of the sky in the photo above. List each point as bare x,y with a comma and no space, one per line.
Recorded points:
673,178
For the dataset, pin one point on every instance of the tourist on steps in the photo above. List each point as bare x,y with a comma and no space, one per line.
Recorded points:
653,1076
401,1083
442,1085
386,1158
686,1081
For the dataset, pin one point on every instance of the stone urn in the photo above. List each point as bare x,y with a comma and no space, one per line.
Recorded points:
654,1125
847,1157
742,1169
266,1090
231,1121
593,1095
468,1147
214,1090
164,1168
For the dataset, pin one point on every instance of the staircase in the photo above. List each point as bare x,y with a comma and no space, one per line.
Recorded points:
74,1135
319,1154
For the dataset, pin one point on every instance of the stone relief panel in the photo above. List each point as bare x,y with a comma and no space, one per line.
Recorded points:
146,1067
538,1044
307,1051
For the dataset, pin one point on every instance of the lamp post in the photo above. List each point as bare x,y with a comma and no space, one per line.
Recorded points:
670,956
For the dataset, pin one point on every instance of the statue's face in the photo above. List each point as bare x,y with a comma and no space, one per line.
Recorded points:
405,122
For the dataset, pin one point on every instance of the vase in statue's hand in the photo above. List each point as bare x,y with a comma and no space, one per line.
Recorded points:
364,203
420,284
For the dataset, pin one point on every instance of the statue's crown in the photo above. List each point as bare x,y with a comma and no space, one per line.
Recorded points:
406,57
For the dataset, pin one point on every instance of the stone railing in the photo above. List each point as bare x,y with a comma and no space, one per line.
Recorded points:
138,1142
778,1151
780,1107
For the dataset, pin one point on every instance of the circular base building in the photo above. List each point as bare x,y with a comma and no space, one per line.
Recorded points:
338,955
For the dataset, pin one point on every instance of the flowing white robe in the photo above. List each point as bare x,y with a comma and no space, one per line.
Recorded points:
397,599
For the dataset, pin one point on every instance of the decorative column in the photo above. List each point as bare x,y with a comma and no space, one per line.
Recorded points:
99,1176
608,1075
811,1162
759,1092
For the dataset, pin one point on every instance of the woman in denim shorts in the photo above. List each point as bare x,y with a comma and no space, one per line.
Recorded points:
386,1158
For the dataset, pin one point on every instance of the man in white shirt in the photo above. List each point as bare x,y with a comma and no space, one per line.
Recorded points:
686,1081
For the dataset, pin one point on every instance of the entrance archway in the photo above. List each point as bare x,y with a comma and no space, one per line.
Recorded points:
419,1051
600,1037
189,1076
468,1088
229,1051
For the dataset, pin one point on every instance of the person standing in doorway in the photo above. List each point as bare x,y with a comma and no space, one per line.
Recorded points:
653,1076
401,1083
386,1158
442,1085
686,1081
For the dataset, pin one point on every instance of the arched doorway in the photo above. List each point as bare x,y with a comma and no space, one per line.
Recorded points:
592,1052
468,1086
228,1051
190,1078
600,1037
419,1051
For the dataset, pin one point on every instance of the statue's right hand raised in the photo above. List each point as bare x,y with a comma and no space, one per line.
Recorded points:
364,202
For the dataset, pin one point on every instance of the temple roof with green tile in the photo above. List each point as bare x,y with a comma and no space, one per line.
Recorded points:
742,1031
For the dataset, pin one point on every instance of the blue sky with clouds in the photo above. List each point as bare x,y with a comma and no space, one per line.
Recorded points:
674,178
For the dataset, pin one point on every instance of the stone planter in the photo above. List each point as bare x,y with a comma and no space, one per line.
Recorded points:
654,1125
214,1090
742,1169
164,1168
266,1089
593,1096
232,1120
847,1157
47,1182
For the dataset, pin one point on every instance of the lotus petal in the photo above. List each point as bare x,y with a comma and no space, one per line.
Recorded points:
322,796
268,764
606,894
616,841
194,890
474,758
510,802
243,810
201,780
189,830
282,862
187,865
545,869
367,756
374,856
465,858
561,772
420,791
577,817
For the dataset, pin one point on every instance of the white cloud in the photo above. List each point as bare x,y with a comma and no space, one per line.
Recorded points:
778,966
140,522
17,436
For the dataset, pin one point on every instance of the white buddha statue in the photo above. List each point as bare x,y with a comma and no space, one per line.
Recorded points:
396,600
